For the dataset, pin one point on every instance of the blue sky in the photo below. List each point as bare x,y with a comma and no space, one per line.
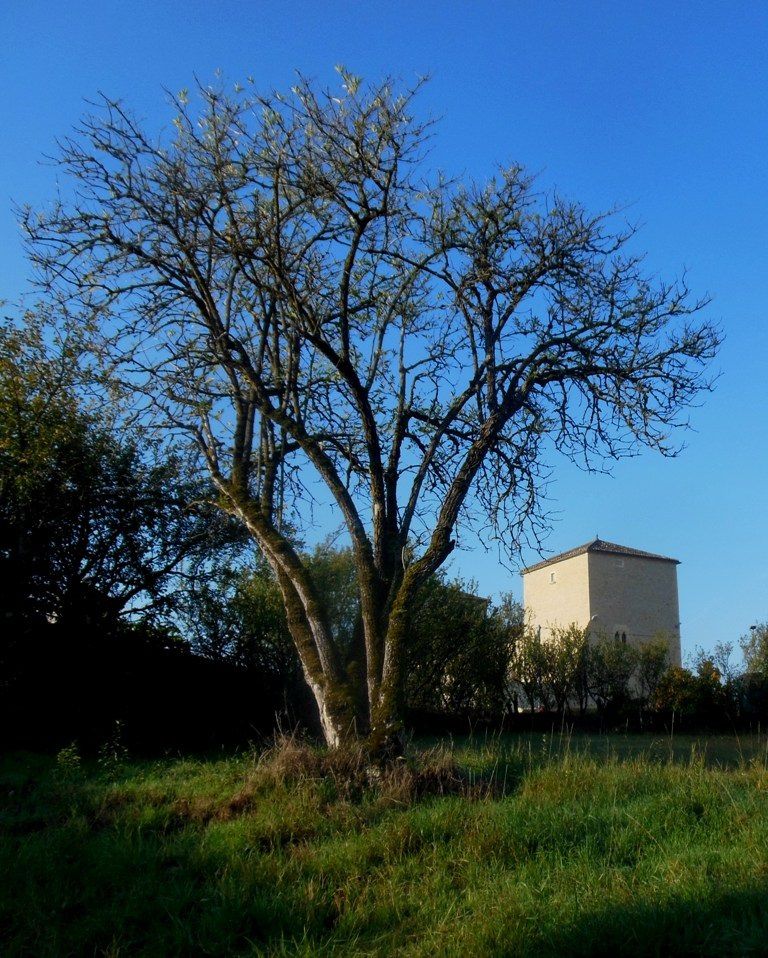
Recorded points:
659,107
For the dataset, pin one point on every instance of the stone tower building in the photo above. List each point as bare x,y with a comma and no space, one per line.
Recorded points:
613,590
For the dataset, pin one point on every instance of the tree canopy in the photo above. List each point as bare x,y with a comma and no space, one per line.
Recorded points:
91,529
283,280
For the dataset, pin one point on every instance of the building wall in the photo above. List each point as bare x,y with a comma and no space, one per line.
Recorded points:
636,595
561,602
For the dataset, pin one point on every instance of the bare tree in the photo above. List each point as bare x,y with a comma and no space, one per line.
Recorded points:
278,279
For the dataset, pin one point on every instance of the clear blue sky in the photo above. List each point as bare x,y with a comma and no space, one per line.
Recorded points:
658,106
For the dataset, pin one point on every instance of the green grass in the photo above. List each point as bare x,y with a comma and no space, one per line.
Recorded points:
588,846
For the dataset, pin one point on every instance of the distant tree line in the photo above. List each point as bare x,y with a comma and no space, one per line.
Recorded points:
574,675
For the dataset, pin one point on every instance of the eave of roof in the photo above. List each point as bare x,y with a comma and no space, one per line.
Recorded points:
599,545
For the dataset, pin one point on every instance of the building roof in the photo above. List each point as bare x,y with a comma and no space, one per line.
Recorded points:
600,545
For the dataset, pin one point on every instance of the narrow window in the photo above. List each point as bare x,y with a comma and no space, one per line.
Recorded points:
551,577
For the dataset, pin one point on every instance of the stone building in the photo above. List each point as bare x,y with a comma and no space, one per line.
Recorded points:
613,590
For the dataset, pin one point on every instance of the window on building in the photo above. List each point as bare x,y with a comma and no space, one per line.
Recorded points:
552,577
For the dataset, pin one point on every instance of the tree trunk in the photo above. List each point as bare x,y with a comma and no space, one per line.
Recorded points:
386,732
337,724
337,701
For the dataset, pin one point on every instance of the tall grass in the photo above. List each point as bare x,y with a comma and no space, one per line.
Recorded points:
542,845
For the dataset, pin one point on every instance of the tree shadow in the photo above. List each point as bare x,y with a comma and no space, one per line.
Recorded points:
734,922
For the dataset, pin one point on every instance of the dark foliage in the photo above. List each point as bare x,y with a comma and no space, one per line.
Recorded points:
135,690
459,653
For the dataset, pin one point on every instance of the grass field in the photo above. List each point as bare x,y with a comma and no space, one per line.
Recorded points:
621,845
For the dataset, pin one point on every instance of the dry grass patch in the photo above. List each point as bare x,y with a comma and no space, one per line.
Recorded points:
349,774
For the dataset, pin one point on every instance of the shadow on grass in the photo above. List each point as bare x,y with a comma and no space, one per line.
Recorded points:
733,922
714,751
112,891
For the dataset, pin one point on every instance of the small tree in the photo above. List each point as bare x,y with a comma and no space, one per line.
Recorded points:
458,653
652,663
565,652
712,705
754,647
727,693
280,281
676,693
529,670
509,619
583,677
697,697
612,666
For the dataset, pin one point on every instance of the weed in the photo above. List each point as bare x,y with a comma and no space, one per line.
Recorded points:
68,761
113,751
